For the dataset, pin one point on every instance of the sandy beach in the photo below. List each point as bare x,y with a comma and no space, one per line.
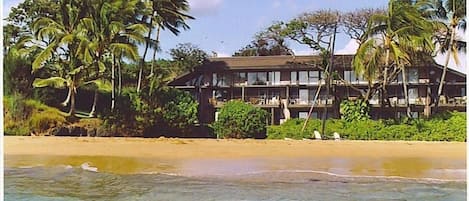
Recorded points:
441,160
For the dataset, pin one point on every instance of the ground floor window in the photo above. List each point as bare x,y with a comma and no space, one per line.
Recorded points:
304,115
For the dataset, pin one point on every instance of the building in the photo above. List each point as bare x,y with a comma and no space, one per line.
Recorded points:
287,86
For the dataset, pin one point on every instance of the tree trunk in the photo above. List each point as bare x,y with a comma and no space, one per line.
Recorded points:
67,100
113,83
95,101
328,80
156,50
119,69
72,100
443,75
142,62
384,92
406,93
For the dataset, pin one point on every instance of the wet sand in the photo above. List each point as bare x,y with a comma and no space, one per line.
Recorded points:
440,160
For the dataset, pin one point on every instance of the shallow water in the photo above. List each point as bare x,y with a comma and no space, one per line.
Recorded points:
75,183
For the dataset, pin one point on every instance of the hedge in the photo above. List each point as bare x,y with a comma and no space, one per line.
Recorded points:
449,126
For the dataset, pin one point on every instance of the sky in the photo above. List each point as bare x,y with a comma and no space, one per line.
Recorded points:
225,26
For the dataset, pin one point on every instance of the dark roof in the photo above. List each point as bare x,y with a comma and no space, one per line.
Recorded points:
264,61
272,62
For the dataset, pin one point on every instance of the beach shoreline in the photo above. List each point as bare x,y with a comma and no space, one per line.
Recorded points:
413,159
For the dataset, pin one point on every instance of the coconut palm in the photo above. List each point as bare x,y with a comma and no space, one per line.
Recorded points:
108,37
164,14
452,14
56,40
394,35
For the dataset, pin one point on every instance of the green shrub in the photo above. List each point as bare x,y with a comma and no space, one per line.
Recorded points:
179,108
25,116
450,128
240,120
167,111
357,110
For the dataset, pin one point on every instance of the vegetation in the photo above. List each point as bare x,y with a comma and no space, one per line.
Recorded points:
445,127
450,15
237,119
83,56
354,110
80,49
26,116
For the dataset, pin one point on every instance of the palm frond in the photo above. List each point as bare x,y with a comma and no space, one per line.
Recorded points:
55,82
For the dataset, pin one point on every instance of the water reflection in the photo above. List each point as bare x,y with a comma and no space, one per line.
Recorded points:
112,164
359,166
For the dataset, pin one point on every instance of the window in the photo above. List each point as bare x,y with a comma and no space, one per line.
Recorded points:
304,96
350,76
313,77
294,77
303,115
274,77
413,95
309,77
220,95
463,91
257,78
312,94
220,80
303,77
413,74
240,77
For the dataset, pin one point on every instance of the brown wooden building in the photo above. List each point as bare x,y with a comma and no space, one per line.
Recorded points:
286,86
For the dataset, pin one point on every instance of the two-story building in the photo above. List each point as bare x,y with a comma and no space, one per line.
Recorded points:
286,87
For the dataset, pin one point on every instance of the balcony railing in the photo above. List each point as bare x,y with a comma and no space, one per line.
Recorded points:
322,100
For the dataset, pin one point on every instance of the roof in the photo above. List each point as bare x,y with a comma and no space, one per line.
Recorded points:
264,61
273,62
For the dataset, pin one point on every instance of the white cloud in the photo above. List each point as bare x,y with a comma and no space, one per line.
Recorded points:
350,48
204,7
462,57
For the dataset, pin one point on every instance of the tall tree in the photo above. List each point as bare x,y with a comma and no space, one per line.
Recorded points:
109,33
355,23
452,14
57,40
187,56
164,14
269,42
394,36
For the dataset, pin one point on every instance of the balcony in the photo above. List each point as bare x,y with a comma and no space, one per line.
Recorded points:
296,101
452,101
261,101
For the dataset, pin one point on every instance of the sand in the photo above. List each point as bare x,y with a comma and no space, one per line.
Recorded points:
206,156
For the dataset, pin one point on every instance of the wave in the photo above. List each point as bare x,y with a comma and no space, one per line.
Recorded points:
331,174
86,166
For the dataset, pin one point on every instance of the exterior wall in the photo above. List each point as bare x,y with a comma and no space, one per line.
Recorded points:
300,94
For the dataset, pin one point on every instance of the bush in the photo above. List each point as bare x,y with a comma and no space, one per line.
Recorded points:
167,112
354,110
25,116
240,120
179,108
450,128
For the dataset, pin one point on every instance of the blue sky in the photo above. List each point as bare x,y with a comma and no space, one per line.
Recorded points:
224,26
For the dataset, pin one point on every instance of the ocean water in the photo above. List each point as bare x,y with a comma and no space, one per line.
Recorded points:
84,182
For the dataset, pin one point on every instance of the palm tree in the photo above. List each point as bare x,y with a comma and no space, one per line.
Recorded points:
57,40
452,14
108,35
396,35
165,14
